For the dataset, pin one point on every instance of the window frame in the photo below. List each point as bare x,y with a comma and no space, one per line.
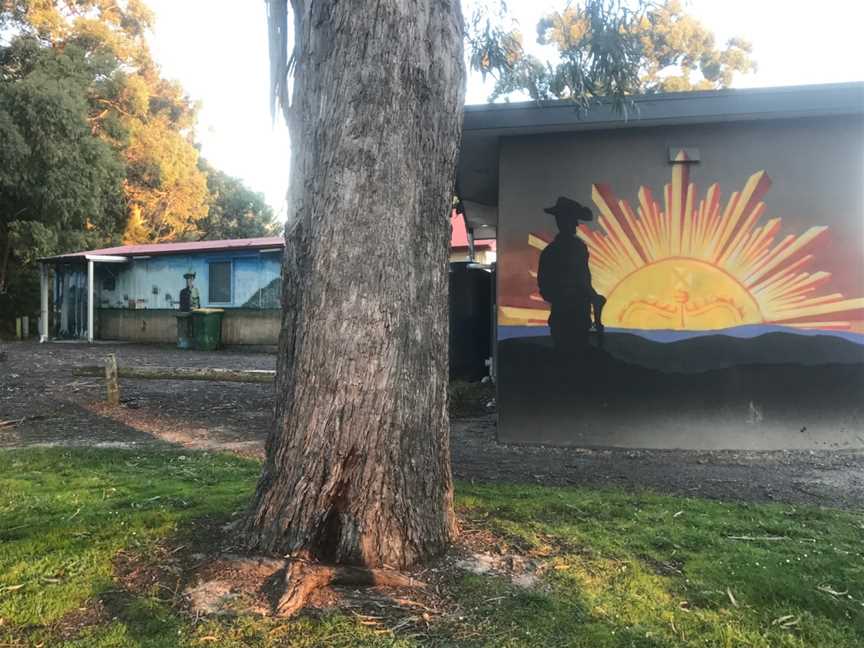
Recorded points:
230,264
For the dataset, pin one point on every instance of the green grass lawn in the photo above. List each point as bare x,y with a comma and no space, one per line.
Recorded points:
624,570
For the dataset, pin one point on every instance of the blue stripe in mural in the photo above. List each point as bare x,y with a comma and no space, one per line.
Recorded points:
741,332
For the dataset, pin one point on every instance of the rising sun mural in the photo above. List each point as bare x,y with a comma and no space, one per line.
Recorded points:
699,266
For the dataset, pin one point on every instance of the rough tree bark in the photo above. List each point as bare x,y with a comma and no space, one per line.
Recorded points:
358,466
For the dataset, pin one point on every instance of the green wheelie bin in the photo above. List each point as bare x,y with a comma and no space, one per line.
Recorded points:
207,328
184,330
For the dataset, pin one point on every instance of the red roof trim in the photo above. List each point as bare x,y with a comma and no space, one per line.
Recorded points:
150,249
480,244
459,235
458,241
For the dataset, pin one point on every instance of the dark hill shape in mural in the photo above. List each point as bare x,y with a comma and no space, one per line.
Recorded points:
719,351
606,401
266,297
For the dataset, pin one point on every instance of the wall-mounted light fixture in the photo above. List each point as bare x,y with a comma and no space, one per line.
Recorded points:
679,154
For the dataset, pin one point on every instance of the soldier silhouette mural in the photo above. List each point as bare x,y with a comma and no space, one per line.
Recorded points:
189,298
564,280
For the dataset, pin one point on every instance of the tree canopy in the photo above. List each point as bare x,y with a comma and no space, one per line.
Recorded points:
61,186
675,52
605,62
235,211
96,146
146,118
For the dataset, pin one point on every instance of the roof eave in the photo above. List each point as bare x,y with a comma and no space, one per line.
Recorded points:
75,256
485,125
676,108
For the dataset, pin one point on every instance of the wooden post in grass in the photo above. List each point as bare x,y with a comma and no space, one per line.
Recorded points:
111,383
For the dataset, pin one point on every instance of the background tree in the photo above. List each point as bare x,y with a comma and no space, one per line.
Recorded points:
358,466
677,46
235,211
95,146
678,53
144,117
60,185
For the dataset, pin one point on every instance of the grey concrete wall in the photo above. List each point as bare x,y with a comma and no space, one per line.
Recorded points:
239,326
767,382
259,327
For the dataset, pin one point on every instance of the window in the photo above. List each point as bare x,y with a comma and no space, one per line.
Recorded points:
220,282
106,278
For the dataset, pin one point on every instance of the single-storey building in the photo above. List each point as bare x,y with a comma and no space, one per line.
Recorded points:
133,292
719,236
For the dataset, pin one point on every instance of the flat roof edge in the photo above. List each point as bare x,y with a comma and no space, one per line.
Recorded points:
75,256
784,102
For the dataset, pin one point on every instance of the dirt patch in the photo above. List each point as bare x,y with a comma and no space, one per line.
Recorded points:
67,628
819,477
230,584
670,567
49,406
197,574
160,573
37,380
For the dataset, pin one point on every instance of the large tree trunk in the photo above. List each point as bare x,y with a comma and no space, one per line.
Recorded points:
358,465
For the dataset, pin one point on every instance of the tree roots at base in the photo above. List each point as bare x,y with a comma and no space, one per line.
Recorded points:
303,578
279,588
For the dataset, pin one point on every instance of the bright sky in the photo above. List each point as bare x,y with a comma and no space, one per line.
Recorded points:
218,50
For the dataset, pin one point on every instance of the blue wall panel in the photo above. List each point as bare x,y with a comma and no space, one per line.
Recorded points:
156,282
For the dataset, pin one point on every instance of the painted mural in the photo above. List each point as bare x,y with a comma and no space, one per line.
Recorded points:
692,320
189,297
702,266
183,282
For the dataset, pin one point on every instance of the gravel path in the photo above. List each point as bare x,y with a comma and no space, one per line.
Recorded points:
57,408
